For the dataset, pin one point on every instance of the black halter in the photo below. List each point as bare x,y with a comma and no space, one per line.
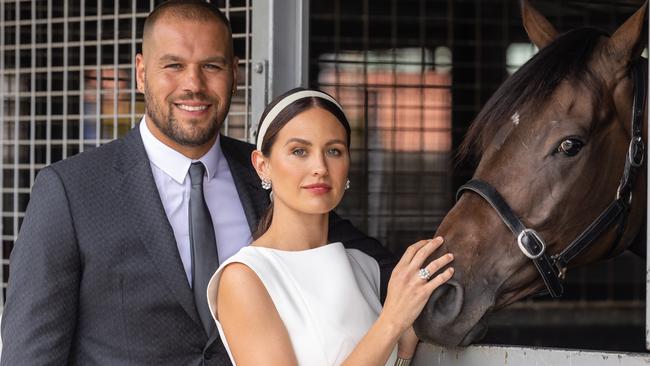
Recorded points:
552,268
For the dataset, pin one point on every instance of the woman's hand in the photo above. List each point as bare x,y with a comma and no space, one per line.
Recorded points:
407,344
407,291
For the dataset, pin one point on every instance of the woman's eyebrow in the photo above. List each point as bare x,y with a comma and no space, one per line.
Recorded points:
335,141
298,140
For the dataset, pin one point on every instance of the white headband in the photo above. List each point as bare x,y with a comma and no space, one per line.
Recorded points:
284,103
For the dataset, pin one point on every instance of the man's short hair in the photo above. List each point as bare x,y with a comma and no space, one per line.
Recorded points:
197,10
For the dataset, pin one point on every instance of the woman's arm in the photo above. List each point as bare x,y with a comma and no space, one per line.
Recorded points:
255,332
407,295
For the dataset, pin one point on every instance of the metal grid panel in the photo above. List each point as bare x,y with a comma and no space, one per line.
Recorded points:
385,58
396,91
67,72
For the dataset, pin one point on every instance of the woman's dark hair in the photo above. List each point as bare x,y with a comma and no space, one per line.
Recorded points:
286,115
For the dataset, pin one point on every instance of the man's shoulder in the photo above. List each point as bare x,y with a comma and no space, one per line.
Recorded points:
233,145
92,161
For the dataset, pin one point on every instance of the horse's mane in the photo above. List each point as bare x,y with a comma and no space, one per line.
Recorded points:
564,59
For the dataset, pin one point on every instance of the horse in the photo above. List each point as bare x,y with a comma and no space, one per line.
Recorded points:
560,180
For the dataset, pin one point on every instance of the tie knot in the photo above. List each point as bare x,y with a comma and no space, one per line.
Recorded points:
196,173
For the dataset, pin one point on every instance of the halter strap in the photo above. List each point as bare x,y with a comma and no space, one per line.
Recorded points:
529,241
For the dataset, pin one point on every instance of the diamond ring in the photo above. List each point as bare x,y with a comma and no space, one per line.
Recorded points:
424,274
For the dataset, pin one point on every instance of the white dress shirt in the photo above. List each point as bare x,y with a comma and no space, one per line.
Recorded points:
170,171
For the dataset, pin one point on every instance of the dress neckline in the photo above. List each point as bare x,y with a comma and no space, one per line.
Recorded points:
304,251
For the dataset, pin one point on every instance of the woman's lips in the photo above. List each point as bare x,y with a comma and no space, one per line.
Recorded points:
318,188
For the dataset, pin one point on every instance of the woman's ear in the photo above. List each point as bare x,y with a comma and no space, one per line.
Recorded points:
261,164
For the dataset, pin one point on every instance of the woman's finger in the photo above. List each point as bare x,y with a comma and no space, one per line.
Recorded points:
439,263
438,280
424,252
411,251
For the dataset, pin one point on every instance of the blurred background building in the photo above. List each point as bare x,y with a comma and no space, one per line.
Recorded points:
410,74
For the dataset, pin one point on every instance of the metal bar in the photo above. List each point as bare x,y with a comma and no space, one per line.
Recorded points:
247,76
3,82
82,64
66,51
430,355
48,126
116,78
16,133
226,128
133,89
98,78
32,107
647,292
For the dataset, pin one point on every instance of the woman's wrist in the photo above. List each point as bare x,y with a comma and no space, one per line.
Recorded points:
390,328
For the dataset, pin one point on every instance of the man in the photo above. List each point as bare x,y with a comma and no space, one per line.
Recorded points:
109,267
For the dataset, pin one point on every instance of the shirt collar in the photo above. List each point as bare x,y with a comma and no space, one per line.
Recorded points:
173,163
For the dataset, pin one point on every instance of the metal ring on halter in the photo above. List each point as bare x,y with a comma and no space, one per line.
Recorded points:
635,152
424,274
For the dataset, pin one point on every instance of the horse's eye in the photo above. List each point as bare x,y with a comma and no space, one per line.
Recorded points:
570,147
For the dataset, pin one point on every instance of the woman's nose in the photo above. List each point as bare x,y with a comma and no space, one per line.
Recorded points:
319,167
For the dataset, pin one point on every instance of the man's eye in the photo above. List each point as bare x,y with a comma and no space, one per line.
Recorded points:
173,66
213,67
299,152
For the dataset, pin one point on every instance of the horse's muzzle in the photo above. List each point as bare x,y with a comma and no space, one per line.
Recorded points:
442,309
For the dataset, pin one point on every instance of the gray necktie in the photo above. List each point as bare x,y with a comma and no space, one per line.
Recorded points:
205,260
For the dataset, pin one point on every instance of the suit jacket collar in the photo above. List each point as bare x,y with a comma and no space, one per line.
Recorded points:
148,219
254,199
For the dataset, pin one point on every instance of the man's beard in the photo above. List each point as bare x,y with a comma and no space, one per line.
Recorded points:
192,135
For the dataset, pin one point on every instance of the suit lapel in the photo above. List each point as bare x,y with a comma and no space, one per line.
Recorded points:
149,221
254,199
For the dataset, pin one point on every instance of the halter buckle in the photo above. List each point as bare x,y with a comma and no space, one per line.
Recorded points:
636,151
524,247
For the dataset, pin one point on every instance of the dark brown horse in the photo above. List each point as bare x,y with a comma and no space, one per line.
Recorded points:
552,144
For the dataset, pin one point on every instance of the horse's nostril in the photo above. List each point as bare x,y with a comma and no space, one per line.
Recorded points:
447,301
443,307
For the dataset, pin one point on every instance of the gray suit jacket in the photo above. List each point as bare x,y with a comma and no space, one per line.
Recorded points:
95,275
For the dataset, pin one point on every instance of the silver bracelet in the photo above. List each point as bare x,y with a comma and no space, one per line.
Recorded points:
402,362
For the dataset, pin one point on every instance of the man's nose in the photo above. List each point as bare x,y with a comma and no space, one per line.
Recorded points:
194,80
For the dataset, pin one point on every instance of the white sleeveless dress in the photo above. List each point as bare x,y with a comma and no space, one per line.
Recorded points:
327,297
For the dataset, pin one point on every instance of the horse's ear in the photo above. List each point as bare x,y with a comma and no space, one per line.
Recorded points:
540,31
630,39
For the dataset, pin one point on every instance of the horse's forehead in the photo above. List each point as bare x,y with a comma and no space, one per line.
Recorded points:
571,103
570,107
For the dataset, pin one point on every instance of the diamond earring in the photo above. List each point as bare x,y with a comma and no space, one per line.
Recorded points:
347,185
266,184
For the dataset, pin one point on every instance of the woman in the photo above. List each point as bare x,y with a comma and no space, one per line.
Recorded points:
290,298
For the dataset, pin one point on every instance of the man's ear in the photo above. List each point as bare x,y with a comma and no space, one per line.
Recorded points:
261,164
139,72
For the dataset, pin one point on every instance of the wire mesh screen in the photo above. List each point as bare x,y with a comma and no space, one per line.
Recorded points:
411,76
68,85
397,96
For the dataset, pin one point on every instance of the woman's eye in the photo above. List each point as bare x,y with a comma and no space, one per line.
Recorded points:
299,152
334,152
570,147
